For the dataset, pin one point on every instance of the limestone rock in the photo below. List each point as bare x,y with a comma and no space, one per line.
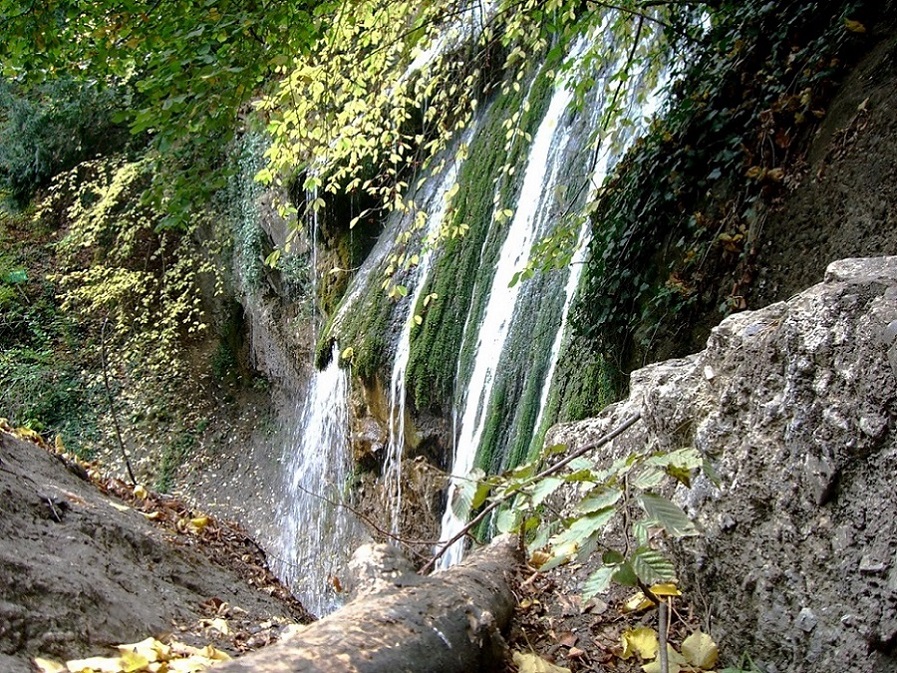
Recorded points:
797,414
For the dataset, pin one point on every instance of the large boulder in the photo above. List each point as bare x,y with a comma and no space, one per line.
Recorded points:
795,404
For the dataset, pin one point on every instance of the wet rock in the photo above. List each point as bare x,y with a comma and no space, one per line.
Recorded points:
797,418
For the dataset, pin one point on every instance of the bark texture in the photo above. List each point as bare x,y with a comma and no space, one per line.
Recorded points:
445,623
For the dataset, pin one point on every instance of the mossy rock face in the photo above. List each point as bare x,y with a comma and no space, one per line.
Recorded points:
462,275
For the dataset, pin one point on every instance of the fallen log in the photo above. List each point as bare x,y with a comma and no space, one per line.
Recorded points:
443,623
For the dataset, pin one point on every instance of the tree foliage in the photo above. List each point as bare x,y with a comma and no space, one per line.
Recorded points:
190,67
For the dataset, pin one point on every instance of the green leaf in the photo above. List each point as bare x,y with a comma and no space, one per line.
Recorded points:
710,472
595,502
465,492
625,575
650,477
16,277
483,490
580,534
272,259
651,567
667,515
640,532
612,557
545,488
688,458
509,520
580,463
598,581
680,474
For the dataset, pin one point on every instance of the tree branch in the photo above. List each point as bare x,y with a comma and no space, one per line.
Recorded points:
613,434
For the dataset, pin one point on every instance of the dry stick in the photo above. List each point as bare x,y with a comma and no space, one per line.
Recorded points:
663,623
613,434
366,519
121,443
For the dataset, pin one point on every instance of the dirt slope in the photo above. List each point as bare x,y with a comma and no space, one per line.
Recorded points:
79,570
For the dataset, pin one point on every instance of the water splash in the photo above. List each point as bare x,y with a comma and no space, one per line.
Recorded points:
317,534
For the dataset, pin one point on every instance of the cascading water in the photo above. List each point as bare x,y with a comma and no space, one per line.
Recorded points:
317,533
488,391
392,470
547,151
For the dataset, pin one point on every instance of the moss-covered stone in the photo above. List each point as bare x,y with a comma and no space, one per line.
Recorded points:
462,275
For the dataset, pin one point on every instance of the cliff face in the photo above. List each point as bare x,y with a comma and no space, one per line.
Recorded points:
795,404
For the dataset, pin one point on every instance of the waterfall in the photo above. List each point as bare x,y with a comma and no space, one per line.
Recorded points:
437,205
547,150
317,534
509,319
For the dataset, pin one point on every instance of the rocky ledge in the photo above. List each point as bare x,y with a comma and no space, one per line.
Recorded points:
795,404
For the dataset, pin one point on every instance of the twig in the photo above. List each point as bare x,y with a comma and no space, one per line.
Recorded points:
366,519
663,622
121,443
613,434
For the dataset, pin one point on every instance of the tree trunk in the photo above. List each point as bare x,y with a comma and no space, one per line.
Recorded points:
444,623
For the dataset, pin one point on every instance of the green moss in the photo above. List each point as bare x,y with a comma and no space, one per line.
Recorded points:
462,274
671,244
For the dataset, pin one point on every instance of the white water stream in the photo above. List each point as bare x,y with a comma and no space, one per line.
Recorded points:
317,534
392,469
544,162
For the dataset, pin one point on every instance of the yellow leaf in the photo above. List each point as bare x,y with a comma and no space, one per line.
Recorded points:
700,650
641,641
60,447
216,655
192,664
668,589
347,353
854,26
539,558
152,516
95,665
530,663
133,661
49,666
675,660
151,649
637,602
120,507
218,624
199,523
140,492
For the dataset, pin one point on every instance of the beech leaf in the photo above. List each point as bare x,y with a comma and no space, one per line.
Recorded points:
641,641
700,650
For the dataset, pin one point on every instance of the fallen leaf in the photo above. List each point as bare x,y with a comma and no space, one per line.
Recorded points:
641,641
119,507
141,492
220,625
95,665
637,602
567,639
700,650
531,663
854,26
198,524
539,558
131,662
49,666
575,652
152,516
676,662
151,649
